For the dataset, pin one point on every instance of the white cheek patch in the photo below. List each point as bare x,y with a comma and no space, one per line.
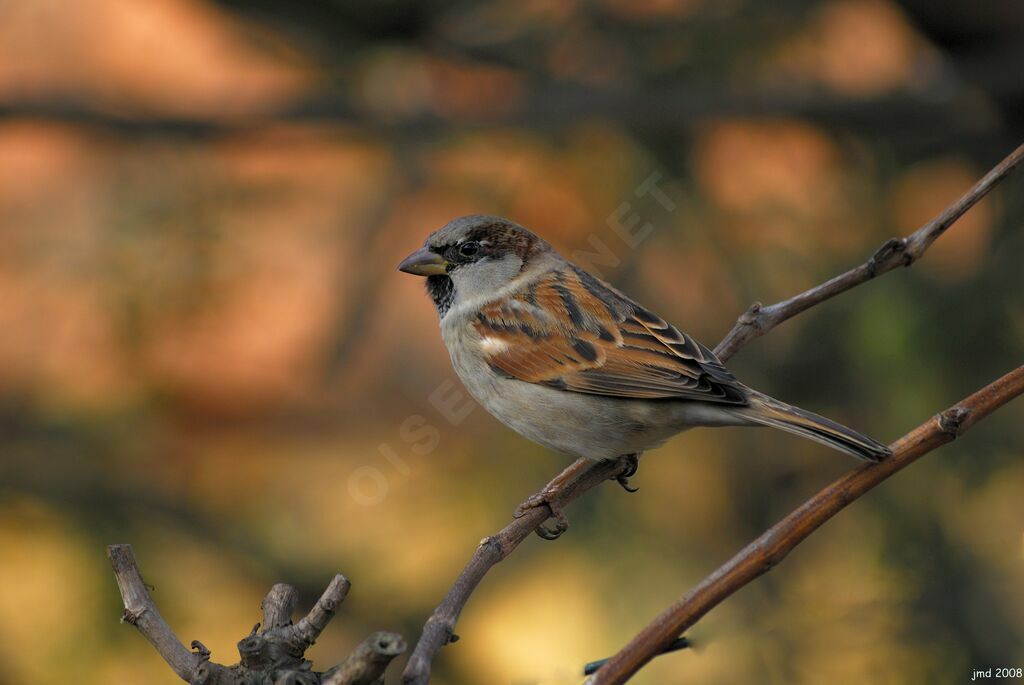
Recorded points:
482,281
493,345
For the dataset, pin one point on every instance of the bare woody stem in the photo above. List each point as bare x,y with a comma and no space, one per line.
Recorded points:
273,653
584,474
759,319
366,665
279,605
308,629
768,550
440,627
141,612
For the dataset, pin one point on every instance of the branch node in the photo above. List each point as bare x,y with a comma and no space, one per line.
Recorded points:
202,675
752,317
951,421
677,644
252,650
200,649
889,249
492,542
446,626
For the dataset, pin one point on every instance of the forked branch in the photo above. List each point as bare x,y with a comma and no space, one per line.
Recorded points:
584,474
273,654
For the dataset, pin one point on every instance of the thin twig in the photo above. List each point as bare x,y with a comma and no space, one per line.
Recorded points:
439,628
141,612
308,629
674,646
759,319
771,548
368,662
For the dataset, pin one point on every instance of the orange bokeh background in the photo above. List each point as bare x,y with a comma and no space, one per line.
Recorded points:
207,352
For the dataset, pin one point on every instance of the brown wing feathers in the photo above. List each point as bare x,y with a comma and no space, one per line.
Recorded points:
573,332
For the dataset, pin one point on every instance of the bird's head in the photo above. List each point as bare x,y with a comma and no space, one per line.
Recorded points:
472,256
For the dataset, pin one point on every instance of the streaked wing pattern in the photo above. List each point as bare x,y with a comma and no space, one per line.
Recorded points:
571,331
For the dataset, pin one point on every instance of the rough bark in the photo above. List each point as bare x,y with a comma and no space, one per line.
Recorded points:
269,655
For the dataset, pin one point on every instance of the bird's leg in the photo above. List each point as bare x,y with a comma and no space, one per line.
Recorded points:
632,464
548,496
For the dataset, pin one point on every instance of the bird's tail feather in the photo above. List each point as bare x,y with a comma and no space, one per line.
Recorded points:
767,411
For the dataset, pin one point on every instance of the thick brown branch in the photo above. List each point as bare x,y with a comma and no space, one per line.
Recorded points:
771,548
760,319
584,474
141,612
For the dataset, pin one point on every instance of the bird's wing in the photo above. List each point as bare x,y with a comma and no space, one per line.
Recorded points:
571,331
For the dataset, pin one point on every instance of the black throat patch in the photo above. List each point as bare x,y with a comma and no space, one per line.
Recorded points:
442,292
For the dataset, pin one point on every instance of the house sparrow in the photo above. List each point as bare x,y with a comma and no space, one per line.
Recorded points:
570,362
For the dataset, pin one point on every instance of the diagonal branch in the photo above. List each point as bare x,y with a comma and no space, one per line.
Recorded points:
366,665
141,612
767,551
440,627
308,629
896,252
585,474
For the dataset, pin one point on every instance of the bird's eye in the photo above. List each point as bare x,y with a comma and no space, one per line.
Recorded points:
469,249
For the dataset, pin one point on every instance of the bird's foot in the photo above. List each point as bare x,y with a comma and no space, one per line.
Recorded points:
632,464
548,497
551,495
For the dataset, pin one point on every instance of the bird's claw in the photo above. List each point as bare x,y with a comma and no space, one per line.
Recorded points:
545,498
624,482
632,464
550,496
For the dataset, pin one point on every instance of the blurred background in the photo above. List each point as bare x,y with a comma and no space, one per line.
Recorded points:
206,350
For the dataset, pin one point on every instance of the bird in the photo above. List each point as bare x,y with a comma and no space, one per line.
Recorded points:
570,362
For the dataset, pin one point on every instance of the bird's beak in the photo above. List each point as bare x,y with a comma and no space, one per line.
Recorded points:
423,262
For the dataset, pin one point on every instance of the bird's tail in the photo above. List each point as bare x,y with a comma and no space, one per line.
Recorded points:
767,411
